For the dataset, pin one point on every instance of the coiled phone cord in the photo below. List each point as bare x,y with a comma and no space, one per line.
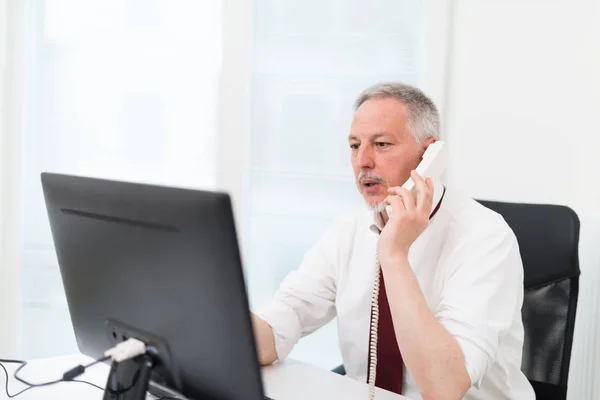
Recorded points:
374,324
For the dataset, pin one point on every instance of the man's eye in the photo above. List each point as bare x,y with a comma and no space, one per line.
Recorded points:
382,144
354,146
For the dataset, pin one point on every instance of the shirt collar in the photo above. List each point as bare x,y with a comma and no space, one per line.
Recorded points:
438,194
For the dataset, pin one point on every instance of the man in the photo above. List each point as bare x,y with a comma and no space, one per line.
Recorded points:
451,277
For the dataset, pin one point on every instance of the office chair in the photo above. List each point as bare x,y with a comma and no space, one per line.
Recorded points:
548,237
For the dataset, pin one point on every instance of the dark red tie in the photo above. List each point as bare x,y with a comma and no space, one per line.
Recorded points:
389,359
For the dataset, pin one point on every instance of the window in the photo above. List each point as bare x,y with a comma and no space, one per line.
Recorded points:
312,58
126,89
117,89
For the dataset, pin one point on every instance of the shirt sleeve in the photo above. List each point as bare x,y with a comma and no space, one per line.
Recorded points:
305,300
482,296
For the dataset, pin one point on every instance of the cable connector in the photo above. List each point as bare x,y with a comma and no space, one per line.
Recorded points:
126,350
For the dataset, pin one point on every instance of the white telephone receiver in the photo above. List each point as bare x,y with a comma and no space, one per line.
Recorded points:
432,165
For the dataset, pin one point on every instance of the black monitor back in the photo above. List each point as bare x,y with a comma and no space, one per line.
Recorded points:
161,263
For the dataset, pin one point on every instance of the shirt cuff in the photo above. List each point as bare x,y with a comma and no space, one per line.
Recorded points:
285,325
477,358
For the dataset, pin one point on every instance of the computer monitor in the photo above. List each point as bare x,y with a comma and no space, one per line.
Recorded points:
160,264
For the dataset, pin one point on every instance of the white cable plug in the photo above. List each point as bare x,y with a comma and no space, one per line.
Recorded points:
126,350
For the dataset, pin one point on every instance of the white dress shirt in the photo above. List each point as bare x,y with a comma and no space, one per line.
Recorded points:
468,265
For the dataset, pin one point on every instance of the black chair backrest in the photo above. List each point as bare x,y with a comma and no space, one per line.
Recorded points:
548,237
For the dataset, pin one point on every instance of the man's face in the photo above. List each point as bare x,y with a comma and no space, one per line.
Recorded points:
383,150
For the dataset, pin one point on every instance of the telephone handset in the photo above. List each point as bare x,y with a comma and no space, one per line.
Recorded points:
432,165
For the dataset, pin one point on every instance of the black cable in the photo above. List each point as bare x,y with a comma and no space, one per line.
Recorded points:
16,376
89,383
67,376
2,361
8,361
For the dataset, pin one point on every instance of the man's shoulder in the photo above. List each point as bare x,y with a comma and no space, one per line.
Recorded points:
468,216
479,238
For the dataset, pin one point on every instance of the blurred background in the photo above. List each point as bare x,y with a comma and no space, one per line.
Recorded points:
255,97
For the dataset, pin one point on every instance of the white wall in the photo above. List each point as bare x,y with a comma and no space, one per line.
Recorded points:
520,117
11,125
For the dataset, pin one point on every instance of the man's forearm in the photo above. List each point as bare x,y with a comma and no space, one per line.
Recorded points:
265,341
432,356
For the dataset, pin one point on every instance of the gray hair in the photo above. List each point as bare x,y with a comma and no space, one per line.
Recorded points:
423,117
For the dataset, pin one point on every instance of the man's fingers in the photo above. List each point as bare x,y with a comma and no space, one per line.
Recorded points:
424,192
429,182
398,207
395,201
405,195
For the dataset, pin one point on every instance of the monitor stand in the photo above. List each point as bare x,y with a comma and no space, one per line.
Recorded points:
131,379
128,380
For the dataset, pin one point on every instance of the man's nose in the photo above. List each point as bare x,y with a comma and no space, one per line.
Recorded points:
365,158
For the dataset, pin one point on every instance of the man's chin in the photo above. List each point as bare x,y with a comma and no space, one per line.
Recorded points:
375,205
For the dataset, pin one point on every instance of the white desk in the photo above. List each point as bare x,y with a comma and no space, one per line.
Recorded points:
290,380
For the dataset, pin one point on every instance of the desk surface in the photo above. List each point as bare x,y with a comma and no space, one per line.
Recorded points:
290,380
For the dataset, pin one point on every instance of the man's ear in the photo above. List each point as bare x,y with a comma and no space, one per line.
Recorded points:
429,141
